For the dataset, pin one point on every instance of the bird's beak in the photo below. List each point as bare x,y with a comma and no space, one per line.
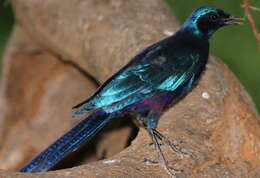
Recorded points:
233,20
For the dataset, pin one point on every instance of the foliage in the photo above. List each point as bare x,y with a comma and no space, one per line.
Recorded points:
6,22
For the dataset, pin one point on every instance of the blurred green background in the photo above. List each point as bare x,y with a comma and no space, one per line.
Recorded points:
6,22
236,45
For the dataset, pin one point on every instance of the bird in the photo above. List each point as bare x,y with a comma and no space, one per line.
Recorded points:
149,84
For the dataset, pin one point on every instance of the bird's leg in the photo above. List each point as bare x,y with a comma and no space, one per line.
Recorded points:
171,171
173,147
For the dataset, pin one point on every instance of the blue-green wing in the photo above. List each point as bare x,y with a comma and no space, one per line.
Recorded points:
140,80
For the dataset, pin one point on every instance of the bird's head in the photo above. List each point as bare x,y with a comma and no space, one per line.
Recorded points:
206,20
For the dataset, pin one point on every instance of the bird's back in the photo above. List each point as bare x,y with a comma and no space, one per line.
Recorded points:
164,66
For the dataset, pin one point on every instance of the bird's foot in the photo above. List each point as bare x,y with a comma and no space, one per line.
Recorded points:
174,148
148,161
170,170
154,136
178,151
151,144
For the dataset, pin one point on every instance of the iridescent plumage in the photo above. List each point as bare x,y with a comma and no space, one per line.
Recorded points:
149,84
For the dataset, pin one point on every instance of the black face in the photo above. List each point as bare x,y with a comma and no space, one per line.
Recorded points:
212,21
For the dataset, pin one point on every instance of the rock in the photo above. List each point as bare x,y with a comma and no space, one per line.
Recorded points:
61,49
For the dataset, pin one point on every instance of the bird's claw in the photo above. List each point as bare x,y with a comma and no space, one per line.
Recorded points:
172,171
151,144
149,161
178,151
174,148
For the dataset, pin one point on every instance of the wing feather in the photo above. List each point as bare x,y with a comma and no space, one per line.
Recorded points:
139,80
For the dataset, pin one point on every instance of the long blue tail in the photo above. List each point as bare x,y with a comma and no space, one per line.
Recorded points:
69,142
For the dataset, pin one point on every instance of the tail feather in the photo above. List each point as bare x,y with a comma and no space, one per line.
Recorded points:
69,142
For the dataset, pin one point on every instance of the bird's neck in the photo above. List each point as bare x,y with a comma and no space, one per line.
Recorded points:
193,31
189,41
188,34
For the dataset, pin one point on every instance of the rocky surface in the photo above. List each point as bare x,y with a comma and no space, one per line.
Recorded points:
58,53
